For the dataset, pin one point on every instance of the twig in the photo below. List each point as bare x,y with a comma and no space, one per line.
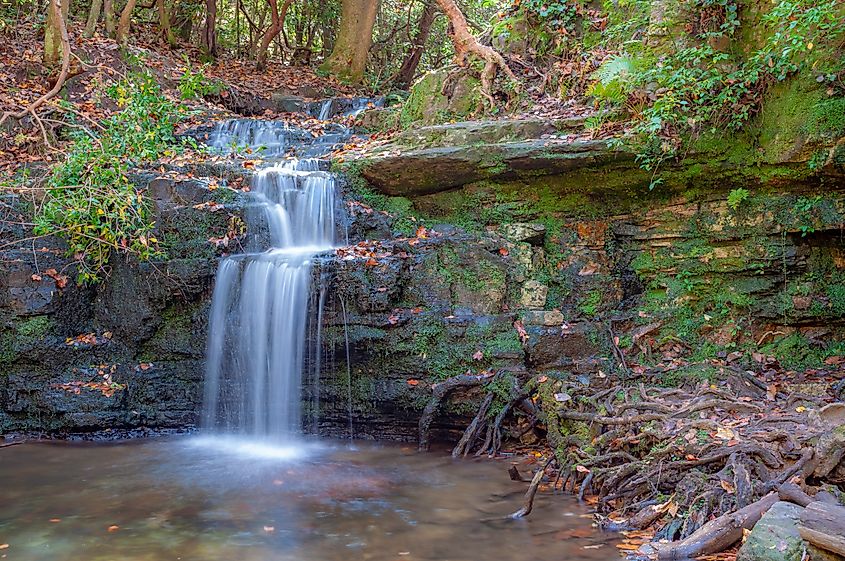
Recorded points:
531,492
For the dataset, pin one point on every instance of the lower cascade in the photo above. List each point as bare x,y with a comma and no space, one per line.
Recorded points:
261,306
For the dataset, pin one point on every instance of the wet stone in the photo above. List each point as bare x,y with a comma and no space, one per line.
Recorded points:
532,233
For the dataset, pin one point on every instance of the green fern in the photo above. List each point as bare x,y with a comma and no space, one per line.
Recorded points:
613,78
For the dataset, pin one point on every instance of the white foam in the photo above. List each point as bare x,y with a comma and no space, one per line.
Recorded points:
251,448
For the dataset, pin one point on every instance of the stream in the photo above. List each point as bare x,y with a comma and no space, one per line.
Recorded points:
201,498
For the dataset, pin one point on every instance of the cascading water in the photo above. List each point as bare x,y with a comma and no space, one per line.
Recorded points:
260,308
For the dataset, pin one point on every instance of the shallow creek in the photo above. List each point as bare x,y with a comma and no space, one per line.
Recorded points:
194,498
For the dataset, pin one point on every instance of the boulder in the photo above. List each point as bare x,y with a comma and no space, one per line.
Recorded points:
397,170
775,538
562,345
551,318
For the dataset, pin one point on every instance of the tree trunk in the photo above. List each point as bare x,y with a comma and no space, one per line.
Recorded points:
56,20
93,16
412,59
278,20
209,38
349,56
164,23
466,44
122,32
108,16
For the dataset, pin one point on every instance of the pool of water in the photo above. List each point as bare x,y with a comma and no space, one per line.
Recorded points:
192,498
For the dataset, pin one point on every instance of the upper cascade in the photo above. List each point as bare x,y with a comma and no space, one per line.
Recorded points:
262,303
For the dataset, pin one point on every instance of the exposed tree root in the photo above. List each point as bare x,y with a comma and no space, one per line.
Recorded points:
466,44
698,465
439,393
528,506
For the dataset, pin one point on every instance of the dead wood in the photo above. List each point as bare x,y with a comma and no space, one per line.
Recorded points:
514,474
528,506
823,525
719,534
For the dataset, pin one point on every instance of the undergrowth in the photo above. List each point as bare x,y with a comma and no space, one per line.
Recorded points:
90,201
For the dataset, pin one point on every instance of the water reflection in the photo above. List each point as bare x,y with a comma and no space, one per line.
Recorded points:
196,499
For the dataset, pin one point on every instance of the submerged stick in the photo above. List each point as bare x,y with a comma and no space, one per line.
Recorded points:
531,492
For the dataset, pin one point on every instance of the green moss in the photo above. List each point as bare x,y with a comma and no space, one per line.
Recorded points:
827,119
590,305
35,327
796,352
427,103
781,126
23,334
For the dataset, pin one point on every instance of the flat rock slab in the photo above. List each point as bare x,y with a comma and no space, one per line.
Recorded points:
399,171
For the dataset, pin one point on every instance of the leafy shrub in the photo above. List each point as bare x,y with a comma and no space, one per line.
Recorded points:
196,85
90,201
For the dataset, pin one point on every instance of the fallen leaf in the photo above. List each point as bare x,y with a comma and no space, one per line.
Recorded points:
413,382
478,355
114,528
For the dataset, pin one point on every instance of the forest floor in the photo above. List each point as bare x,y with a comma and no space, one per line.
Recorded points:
97,62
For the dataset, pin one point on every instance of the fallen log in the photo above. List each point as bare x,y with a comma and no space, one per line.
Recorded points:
719,534
823,525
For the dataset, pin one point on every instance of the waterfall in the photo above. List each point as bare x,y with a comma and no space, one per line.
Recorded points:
260,307
268,138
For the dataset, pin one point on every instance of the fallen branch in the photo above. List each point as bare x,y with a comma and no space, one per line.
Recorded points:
719,534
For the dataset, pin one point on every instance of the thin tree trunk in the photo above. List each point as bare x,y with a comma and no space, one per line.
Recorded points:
93,17
108,16
209,39
164,23
278,20
412,59
349,56
122,33
52,31
183,19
